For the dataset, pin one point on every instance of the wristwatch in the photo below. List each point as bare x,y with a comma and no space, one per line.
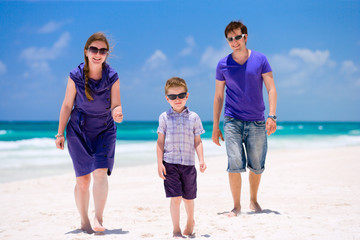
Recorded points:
273,117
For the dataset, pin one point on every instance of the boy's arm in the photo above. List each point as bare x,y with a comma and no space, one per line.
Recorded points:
200,152
160,154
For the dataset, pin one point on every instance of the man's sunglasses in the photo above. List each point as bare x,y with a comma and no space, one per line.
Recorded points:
238,37
95,50
174,96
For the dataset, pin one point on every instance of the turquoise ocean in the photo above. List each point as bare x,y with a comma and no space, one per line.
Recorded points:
27,149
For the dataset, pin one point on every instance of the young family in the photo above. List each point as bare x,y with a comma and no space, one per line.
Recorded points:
92,105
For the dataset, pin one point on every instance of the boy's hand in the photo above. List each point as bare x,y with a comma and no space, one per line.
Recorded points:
117,114
202,166
162,171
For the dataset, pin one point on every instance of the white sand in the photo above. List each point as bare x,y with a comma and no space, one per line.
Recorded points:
311,194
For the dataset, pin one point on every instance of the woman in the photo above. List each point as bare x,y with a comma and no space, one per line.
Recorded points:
92,101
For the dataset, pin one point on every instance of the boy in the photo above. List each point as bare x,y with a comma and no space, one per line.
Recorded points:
178,138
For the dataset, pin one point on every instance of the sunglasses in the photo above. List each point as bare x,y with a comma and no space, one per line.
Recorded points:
238,37
174,96
95,50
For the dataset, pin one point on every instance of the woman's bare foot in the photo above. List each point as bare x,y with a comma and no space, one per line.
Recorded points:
189,229
177,235
87,228
234,213
98,227
255,207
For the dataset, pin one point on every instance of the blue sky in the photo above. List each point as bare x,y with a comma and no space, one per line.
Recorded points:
313,48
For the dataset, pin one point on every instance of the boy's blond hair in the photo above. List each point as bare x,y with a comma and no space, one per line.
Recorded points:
175,82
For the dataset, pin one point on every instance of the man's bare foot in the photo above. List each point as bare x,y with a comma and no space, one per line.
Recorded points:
255,207
87,228
234,213
98,227
189,229
177,235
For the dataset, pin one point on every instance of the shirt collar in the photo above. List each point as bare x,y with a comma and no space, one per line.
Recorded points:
185,112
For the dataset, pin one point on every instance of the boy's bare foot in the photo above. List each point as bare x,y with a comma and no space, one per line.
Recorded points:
255,207
189,229
98,227
177,235
234,213
87,228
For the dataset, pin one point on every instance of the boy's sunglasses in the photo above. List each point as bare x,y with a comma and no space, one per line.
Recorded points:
238,37
95,50
174,96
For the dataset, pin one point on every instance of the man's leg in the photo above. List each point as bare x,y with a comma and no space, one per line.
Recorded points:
235,186
254,180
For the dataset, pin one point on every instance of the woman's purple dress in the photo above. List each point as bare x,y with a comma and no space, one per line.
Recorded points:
91,130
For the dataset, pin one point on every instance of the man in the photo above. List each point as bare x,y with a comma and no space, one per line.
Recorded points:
243,72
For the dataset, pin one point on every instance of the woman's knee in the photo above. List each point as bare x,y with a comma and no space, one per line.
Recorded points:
83,182
100,174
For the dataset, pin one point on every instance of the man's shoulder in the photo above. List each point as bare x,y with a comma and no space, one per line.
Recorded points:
258,54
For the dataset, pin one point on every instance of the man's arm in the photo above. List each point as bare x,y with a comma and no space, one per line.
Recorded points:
271,90
218,104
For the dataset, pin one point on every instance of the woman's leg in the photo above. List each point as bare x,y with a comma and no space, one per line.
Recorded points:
100,192
82,196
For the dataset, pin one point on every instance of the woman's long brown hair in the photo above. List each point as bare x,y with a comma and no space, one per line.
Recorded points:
99,36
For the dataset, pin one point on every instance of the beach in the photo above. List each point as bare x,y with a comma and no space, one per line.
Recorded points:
305,194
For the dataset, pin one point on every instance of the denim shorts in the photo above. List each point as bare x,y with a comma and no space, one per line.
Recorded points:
246,145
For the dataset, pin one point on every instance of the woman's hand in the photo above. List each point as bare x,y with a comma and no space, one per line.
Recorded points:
117,114
60,140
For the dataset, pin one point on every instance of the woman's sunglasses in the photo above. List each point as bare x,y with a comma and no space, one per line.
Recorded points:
238,37
95,50
174,96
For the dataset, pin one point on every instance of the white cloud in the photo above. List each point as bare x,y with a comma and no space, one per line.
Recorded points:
308,56
46,53
52,26
212,56
348,67
156,60
3,68
37,57
190,46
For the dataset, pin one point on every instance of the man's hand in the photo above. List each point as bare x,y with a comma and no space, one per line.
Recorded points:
216,134
270,126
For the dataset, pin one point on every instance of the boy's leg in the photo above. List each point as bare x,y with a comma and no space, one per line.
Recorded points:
175,215
189,206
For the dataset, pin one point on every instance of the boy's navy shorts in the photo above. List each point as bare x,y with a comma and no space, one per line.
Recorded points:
180,181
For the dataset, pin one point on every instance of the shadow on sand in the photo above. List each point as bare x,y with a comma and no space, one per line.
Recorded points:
107,232
264,211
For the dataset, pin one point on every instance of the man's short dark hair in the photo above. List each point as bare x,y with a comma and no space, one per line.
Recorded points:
232,26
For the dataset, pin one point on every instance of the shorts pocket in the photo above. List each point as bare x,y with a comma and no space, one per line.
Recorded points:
259,123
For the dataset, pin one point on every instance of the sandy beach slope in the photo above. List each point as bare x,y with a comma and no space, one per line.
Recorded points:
305,194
